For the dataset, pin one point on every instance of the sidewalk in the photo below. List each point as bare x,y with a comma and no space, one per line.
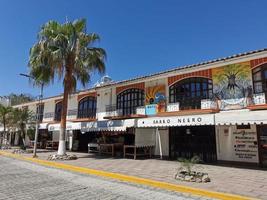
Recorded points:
247,182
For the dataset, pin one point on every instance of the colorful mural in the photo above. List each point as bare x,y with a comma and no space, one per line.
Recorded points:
156,95
232,84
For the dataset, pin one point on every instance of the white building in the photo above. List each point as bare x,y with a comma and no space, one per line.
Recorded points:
215,109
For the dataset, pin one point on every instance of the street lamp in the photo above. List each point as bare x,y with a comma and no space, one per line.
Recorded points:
37,113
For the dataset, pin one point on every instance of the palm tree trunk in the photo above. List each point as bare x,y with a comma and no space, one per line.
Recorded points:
62,142
62,134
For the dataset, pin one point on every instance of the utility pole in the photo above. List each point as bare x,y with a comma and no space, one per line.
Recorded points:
40,97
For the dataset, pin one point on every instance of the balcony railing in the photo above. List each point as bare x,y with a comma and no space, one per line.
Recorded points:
49,115
112,111
259,99
208,104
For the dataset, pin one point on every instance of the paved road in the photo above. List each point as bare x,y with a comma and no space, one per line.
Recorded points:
24,180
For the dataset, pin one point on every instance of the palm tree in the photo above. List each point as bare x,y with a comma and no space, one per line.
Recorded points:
65,51
20,119
4,115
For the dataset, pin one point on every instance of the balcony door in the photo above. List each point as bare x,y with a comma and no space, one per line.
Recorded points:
58,110
87,107
260,79
190,91
129,100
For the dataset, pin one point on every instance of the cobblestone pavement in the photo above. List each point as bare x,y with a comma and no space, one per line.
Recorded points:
229,179
23,180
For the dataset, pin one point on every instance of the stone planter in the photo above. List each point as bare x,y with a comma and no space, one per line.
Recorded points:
64,157
198,177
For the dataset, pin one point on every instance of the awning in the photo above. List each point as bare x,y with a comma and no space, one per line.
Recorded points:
108,125
240,117
188,120
43,126
69,126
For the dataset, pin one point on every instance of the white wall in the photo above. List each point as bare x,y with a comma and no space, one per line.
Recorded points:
237,144
147,136
49,107
55,136
72,105
164,137
105,97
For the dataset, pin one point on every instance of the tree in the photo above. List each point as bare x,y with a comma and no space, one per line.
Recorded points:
65,51
21,117
4,115
16,99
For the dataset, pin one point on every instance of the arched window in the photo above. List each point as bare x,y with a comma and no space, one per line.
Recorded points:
87,107
260,79
58,110
129,100
189,92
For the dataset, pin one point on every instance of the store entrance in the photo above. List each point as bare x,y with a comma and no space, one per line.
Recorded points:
186,142
263,145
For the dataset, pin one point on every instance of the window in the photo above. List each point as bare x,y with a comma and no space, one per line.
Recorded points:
58,111
40,112
260,79
87,107
190,91
129,100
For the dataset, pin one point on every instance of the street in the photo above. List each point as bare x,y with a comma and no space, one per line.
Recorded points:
23,180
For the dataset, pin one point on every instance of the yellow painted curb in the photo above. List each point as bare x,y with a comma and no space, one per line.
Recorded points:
131,179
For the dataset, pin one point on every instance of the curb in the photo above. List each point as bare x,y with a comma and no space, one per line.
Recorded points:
131,179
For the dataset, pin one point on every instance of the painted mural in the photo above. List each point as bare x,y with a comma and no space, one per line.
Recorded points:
232,84
156,95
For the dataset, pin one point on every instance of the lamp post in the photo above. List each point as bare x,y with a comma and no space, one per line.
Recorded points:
37,114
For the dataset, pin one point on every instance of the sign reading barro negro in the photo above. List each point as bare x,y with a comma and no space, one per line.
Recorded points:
190,120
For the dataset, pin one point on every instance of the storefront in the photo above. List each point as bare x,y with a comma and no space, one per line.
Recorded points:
242,136
54,130
119,132
182,136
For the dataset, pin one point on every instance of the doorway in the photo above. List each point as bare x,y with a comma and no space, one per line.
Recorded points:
186,142
262,134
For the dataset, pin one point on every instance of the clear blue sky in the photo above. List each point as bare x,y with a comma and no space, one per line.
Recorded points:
140,36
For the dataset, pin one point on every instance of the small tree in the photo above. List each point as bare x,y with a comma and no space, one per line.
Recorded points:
4,115
188,164
20,118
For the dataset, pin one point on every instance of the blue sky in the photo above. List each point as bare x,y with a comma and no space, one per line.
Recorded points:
140,37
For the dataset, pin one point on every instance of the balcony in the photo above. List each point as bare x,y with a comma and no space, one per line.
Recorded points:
170,109
258,102
207,106
113,113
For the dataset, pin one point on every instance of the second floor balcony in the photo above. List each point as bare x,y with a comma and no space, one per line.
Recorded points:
72,114
112,112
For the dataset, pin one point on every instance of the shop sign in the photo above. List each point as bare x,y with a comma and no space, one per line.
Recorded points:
177,121
110,123
245,146
56,127
151,109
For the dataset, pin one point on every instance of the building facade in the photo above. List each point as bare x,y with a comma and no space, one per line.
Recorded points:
216,110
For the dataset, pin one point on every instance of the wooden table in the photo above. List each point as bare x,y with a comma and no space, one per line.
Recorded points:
109,148
31,144
51,145
138,151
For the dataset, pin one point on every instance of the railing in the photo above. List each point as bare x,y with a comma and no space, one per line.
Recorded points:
72,112
112,111
48,115
208,104
259,99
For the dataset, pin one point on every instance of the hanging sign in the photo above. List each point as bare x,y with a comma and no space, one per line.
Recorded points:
190,120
